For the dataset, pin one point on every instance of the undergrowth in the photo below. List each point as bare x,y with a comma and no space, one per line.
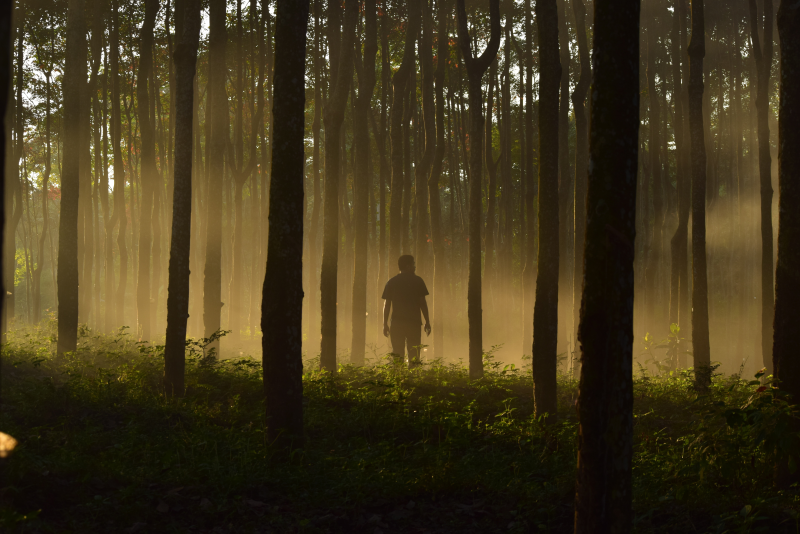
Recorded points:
101,449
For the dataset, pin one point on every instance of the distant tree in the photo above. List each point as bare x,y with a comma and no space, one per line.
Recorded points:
605,394
74,68
341,51
440,268
581,162
362,184
217,111
545,311
762,53
700,341
119,169
149,170
476,67
187,28
787,284
6,67
282,298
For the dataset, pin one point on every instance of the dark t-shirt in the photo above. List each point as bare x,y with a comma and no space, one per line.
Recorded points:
405,291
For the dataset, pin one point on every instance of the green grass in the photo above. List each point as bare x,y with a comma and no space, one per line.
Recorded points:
387,449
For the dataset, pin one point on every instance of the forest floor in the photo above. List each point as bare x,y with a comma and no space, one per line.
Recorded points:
387,450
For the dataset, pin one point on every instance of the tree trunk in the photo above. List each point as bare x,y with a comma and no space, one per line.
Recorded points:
545,312
362,180
187,28
581,166
787,285
700,343
605,396
119,171
654,254
529,273
282,303
440,270
70,180
217,115
341,55
565,193
762,52
476,67
312,299
148,172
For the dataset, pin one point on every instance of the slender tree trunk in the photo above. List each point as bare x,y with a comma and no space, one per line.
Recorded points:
762,52
702,352
187,28
545,313
312,299
119,172
565,192
217,115
341,55
476,67
149,171
581,165
37,273
362,180
654,259
440,268
490,273
605,396
70,178
529,273
282,302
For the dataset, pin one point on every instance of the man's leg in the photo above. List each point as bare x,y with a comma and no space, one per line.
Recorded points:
414,333
398,338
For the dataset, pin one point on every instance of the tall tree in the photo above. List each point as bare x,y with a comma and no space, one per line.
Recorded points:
149,171
605,396
282,302
581,161
362,179
119,169
529,273
218,133
654,151
545,312
762,53
187,28
75,66
476,67
440,267
400,82
341,54
700,341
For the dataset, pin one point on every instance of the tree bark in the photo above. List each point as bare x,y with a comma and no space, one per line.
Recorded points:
545,312
187,29
70,180
282,302
565,190
762,52
529,273
476,67
341,77
605,396
217,115
581,164
700,342
440,267
362,180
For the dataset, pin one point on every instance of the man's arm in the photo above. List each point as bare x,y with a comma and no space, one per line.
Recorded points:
423,304
387,308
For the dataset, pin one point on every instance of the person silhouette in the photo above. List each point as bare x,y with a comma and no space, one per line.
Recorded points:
405,298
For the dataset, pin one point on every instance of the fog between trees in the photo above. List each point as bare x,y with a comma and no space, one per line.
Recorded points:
392,145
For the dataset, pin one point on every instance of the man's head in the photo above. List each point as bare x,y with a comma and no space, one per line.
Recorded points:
406,263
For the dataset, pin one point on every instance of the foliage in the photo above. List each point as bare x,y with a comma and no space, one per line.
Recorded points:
388,449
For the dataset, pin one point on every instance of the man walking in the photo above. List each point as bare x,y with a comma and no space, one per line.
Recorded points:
405,298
